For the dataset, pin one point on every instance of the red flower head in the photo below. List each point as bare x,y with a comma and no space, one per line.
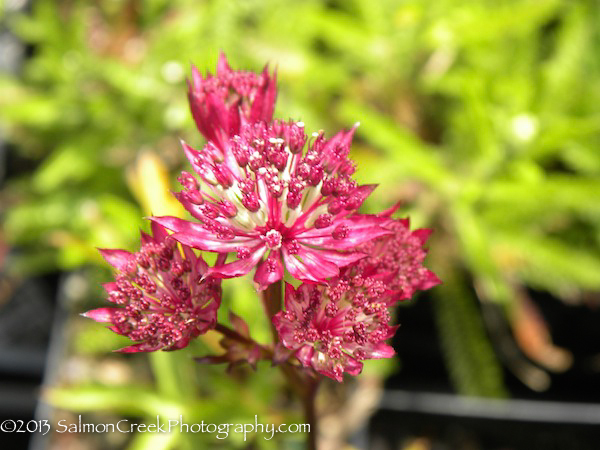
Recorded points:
400,255
333,328
272,194
163,302
221,103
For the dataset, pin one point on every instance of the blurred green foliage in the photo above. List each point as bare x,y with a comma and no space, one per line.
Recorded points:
481,116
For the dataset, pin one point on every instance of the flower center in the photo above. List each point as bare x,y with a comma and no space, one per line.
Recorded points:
273,239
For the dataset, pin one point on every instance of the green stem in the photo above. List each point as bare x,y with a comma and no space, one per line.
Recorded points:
272,299
310,412
304,385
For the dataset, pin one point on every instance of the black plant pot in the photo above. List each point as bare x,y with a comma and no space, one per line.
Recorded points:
26,321
419,405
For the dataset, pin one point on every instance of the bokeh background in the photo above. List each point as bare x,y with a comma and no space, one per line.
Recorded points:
482,117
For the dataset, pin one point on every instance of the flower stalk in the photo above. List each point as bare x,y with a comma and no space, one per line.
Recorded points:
272,299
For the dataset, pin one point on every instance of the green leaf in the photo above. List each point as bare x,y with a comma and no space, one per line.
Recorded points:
65,164
413,158
127,400
552,264
469,356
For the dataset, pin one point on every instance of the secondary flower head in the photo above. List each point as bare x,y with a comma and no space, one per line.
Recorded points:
221,103
274,196
333,328
162,302
400,255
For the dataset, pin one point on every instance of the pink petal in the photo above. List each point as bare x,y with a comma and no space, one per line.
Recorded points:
109,287
190,207
233,120
338,258
181,343
290,295
136,348
222,64
201,116
158,232
362,192
119,259
217,113
353,366
263,276
357,234
430,280
305,354
379,351
422,234
209,242
310,268
192,234
196,77
145,238
390,332
388,212
103,315
201,266
263,103
256,112
237,268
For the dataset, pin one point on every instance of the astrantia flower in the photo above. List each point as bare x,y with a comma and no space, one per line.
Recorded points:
275,199
221,103
163,303
333,328
399,254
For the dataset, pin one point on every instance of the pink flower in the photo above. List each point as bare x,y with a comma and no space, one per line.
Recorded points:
163,303
273,199
333,328
399,254
221,103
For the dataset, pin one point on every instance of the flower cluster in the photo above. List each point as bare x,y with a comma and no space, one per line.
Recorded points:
221,104
267,196
333,328
401,255
163,299
276,197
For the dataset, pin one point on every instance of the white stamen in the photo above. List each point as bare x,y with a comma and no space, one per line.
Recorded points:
311,195
310,220
293,215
